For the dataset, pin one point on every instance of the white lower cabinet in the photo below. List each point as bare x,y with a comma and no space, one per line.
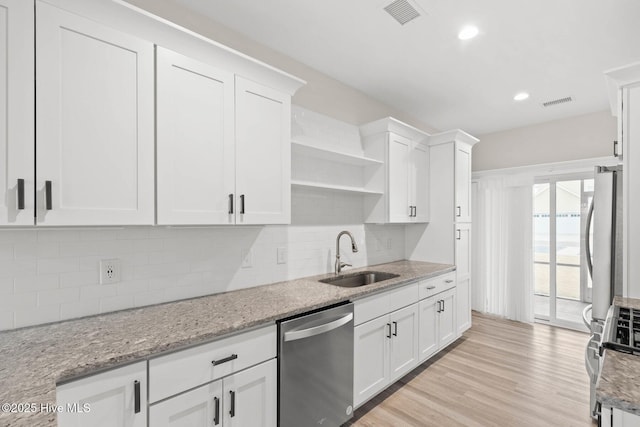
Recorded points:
247,398
385,349
614,417
116,398
437,323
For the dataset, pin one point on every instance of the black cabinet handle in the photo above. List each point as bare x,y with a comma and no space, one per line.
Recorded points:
459,213
459,236
439,306
47,196
395,329
232,410
615,148
230,203
20,194
242,203
226,359
415,211
216,411
389,330
443,307
136,396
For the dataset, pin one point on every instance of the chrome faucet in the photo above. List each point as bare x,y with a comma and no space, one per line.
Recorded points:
354,249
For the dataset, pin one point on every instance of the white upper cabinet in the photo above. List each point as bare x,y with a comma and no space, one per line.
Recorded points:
195,141
95,122
16,112
463,182
263,154
406,177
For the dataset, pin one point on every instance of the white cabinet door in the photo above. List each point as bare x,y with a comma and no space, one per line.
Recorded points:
428,329
463,182
399,179
371,358
263,154
463,276
403,355
250,397
195,146
420,181
447,331
95,122
116,398
16,112
201,407
622,418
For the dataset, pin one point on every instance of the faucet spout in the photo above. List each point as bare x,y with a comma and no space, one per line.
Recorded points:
354,249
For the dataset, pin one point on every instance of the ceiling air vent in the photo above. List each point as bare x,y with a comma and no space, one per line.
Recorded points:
557,101
402,11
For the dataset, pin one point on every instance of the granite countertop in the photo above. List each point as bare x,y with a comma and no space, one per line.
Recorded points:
619,382
33,360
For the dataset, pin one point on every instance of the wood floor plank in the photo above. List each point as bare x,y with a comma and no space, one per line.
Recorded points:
500,373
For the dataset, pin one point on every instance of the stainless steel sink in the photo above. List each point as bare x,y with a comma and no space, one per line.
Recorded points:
362,278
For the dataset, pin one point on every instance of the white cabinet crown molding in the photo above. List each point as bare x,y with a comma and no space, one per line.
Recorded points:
389,124
619,77
141,23
453,135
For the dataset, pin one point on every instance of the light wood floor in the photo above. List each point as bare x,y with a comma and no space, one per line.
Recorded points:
500,373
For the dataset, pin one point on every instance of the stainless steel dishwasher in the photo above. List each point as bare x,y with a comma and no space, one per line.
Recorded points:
315,368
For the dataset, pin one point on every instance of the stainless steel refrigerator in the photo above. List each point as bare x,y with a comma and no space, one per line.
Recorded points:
604,260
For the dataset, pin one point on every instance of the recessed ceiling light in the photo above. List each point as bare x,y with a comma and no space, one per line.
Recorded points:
468,32
521,96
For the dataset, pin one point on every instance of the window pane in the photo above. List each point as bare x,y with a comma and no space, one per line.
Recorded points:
568,207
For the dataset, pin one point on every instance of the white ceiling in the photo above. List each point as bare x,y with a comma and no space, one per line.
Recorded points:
551,49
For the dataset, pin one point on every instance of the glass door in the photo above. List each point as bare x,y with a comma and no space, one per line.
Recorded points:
562,283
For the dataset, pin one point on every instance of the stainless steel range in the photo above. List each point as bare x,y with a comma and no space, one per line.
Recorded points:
622,331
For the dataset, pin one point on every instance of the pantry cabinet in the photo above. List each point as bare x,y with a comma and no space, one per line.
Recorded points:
624,97
16,112
406,175
244,399
95,122
195,141
116,398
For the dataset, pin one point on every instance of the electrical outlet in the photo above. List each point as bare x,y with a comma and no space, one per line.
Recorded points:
246,256
110,271
282,255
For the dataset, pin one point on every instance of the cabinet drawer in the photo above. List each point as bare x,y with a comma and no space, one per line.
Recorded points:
384,303
183,370
437,284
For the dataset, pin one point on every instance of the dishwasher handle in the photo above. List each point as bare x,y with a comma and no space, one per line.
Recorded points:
298,334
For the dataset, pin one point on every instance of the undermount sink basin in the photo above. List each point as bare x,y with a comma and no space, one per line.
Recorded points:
362,278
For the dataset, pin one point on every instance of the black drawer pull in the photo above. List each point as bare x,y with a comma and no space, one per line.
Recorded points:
20,194
448,281
216,413
230,203
136,396
242,203
48,199
226,359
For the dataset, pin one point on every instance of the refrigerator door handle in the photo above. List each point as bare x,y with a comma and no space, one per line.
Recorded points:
587,244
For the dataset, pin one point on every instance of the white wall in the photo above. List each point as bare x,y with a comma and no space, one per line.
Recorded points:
581,137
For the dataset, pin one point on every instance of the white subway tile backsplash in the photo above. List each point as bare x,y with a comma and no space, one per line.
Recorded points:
36,283
59,268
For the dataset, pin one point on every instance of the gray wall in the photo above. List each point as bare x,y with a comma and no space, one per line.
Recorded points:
575,138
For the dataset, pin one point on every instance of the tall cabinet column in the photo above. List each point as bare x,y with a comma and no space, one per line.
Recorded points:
624,97
447,237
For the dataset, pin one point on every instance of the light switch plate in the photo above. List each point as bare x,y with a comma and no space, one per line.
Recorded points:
246,256
282,255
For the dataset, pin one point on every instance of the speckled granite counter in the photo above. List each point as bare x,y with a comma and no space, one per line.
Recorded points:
33,359
619,382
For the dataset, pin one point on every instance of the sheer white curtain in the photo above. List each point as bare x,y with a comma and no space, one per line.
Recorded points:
503,264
